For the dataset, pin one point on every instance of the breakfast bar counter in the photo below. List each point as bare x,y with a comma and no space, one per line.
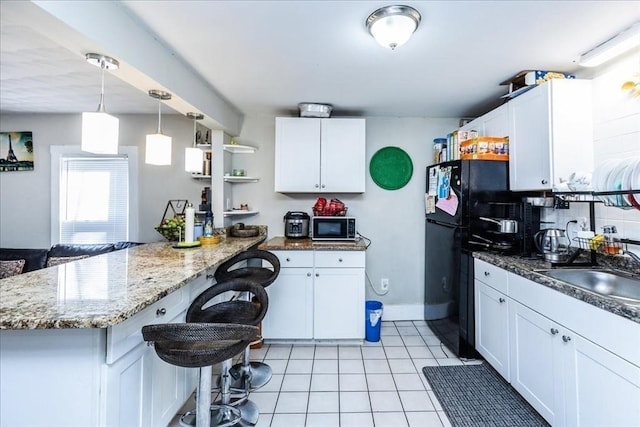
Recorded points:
104,290
73,334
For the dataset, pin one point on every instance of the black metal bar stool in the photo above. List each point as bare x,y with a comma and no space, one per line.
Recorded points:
204,309
249,376
201,345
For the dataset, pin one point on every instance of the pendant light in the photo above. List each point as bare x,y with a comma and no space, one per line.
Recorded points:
158,148
99,129
193,156
392,26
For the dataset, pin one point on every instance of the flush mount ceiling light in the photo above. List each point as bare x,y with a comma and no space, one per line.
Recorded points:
392,26
615,46
158,148
193,156
99,129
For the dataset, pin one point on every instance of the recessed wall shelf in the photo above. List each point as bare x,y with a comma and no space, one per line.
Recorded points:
200,176
239,149
241,179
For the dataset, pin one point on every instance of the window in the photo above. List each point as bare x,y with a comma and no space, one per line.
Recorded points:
92,197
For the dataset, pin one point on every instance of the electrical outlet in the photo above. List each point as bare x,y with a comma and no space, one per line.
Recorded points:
384,284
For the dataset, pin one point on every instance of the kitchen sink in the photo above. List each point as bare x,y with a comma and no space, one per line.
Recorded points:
608,283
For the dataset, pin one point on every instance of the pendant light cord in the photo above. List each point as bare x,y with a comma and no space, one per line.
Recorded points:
159,116
101,105
194,133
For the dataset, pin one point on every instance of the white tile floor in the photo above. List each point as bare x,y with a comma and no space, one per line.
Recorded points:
374,385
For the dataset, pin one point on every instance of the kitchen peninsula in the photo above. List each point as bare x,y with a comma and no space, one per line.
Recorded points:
71,334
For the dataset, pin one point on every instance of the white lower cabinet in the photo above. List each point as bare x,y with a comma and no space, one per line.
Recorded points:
290,312
570,378
492,335
601,388
318,295
338,303
536,369
140,388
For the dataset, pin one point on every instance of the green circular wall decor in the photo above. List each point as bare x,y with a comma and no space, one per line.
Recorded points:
391,168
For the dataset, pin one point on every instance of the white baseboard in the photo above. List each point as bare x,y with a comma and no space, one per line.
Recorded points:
402,312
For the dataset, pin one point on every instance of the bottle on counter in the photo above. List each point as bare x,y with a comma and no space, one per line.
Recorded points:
612,243
208,224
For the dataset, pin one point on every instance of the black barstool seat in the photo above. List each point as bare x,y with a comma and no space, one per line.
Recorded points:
258,274
201,345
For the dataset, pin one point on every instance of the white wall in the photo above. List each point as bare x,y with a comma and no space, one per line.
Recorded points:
393,220
616,136
25,195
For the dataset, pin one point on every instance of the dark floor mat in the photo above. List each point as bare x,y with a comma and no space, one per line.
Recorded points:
476,395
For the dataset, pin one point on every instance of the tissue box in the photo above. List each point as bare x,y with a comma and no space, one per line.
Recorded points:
485,148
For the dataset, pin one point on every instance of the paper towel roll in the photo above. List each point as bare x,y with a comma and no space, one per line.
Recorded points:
189,220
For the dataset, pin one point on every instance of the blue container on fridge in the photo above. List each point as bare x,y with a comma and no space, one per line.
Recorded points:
373,320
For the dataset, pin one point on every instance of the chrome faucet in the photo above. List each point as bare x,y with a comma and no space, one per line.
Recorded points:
633,256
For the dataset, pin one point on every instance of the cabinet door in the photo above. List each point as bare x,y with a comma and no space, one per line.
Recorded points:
496,122
290,313
601,388
536,362
492,327
338,303
342,156
167,386
127,391
297,161
529,141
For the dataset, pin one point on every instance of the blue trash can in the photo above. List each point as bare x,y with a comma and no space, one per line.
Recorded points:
373,320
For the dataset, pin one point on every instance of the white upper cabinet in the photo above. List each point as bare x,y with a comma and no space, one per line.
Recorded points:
316,155
493,123
550,135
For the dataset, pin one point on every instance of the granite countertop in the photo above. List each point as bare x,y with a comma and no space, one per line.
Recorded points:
105,290
281,243
526,267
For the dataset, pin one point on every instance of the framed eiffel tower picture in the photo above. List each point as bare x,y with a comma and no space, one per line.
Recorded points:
16,151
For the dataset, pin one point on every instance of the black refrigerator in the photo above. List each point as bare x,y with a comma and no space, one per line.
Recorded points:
458,193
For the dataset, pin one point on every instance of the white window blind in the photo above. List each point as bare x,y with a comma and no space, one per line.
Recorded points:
94,199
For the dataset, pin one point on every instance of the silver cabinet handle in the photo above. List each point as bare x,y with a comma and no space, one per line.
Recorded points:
339,259
161,312
308,274
210,276
323,185
501,300
317,186
554,331
288,259
486,273
317,275
544,181
566,338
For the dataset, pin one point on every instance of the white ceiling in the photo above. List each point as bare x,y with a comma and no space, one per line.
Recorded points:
264,57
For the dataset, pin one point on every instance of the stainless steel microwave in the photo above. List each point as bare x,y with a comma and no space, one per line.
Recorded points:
333,228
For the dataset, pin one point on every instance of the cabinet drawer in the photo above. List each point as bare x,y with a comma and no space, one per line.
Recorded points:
337,259
127,335
493,276
294,258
